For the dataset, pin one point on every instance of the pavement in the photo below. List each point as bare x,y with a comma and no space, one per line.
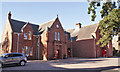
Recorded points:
102,64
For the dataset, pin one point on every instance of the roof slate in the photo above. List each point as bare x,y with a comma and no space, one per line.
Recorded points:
17,26
84,32
47,25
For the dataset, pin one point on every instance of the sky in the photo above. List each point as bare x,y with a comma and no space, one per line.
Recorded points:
38,13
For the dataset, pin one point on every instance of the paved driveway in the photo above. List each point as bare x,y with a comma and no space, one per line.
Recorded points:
70,64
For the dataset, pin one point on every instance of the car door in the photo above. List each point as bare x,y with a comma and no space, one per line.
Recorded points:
8,59
17,58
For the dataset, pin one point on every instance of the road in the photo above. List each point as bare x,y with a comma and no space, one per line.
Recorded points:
102,64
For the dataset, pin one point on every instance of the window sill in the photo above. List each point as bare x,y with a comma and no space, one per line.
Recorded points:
28,39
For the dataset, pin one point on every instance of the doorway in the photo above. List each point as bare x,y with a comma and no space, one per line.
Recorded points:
104,52
69,52
58,54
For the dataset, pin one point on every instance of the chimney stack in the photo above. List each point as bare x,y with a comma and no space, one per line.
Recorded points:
78,25
9,15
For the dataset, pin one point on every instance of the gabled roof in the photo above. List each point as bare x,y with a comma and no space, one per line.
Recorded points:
70,30
84,32
69,37
47,24
18,25
24,26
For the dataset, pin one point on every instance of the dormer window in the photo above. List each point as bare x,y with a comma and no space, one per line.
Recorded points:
25,35
28,35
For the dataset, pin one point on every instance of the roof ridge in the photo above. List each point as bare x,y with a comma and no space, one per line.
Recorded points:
19,20
90,25
24,22
83,26
70,29
47,22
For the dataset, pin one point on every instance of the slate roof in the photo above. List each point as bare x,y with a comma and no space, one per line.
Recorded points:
47,25
84,32
17,26
70,30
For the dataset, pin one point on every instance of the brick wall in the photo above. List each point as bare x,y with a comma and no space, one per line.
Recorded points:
83,48
23,42
7,33
53,45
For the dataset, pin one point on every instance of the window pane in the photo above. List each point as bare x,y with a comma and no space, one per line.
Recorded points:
17,55
10,55
27,51
23,50
25,35
31,51
29,35
58,36
55,35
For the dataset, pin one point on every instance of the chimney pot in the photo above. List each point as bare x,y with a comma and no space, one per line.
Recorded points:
9,15
78,25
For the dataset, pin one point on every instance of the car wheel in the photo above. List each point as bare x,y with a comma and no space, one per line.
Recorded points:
22,63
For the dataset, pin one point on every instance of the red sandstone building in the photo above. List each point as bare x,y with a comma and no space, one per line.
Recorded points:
50,40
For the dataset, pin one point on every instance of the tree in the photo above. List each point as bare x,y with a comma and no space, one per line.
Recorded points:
110,24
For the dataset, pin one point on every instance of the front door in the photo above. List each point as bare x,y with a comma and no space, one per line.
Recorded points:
104,52
69,52
57,54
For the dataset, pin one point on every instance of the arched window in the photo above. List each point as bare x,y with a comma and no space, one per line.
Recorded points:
58,36
55,35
